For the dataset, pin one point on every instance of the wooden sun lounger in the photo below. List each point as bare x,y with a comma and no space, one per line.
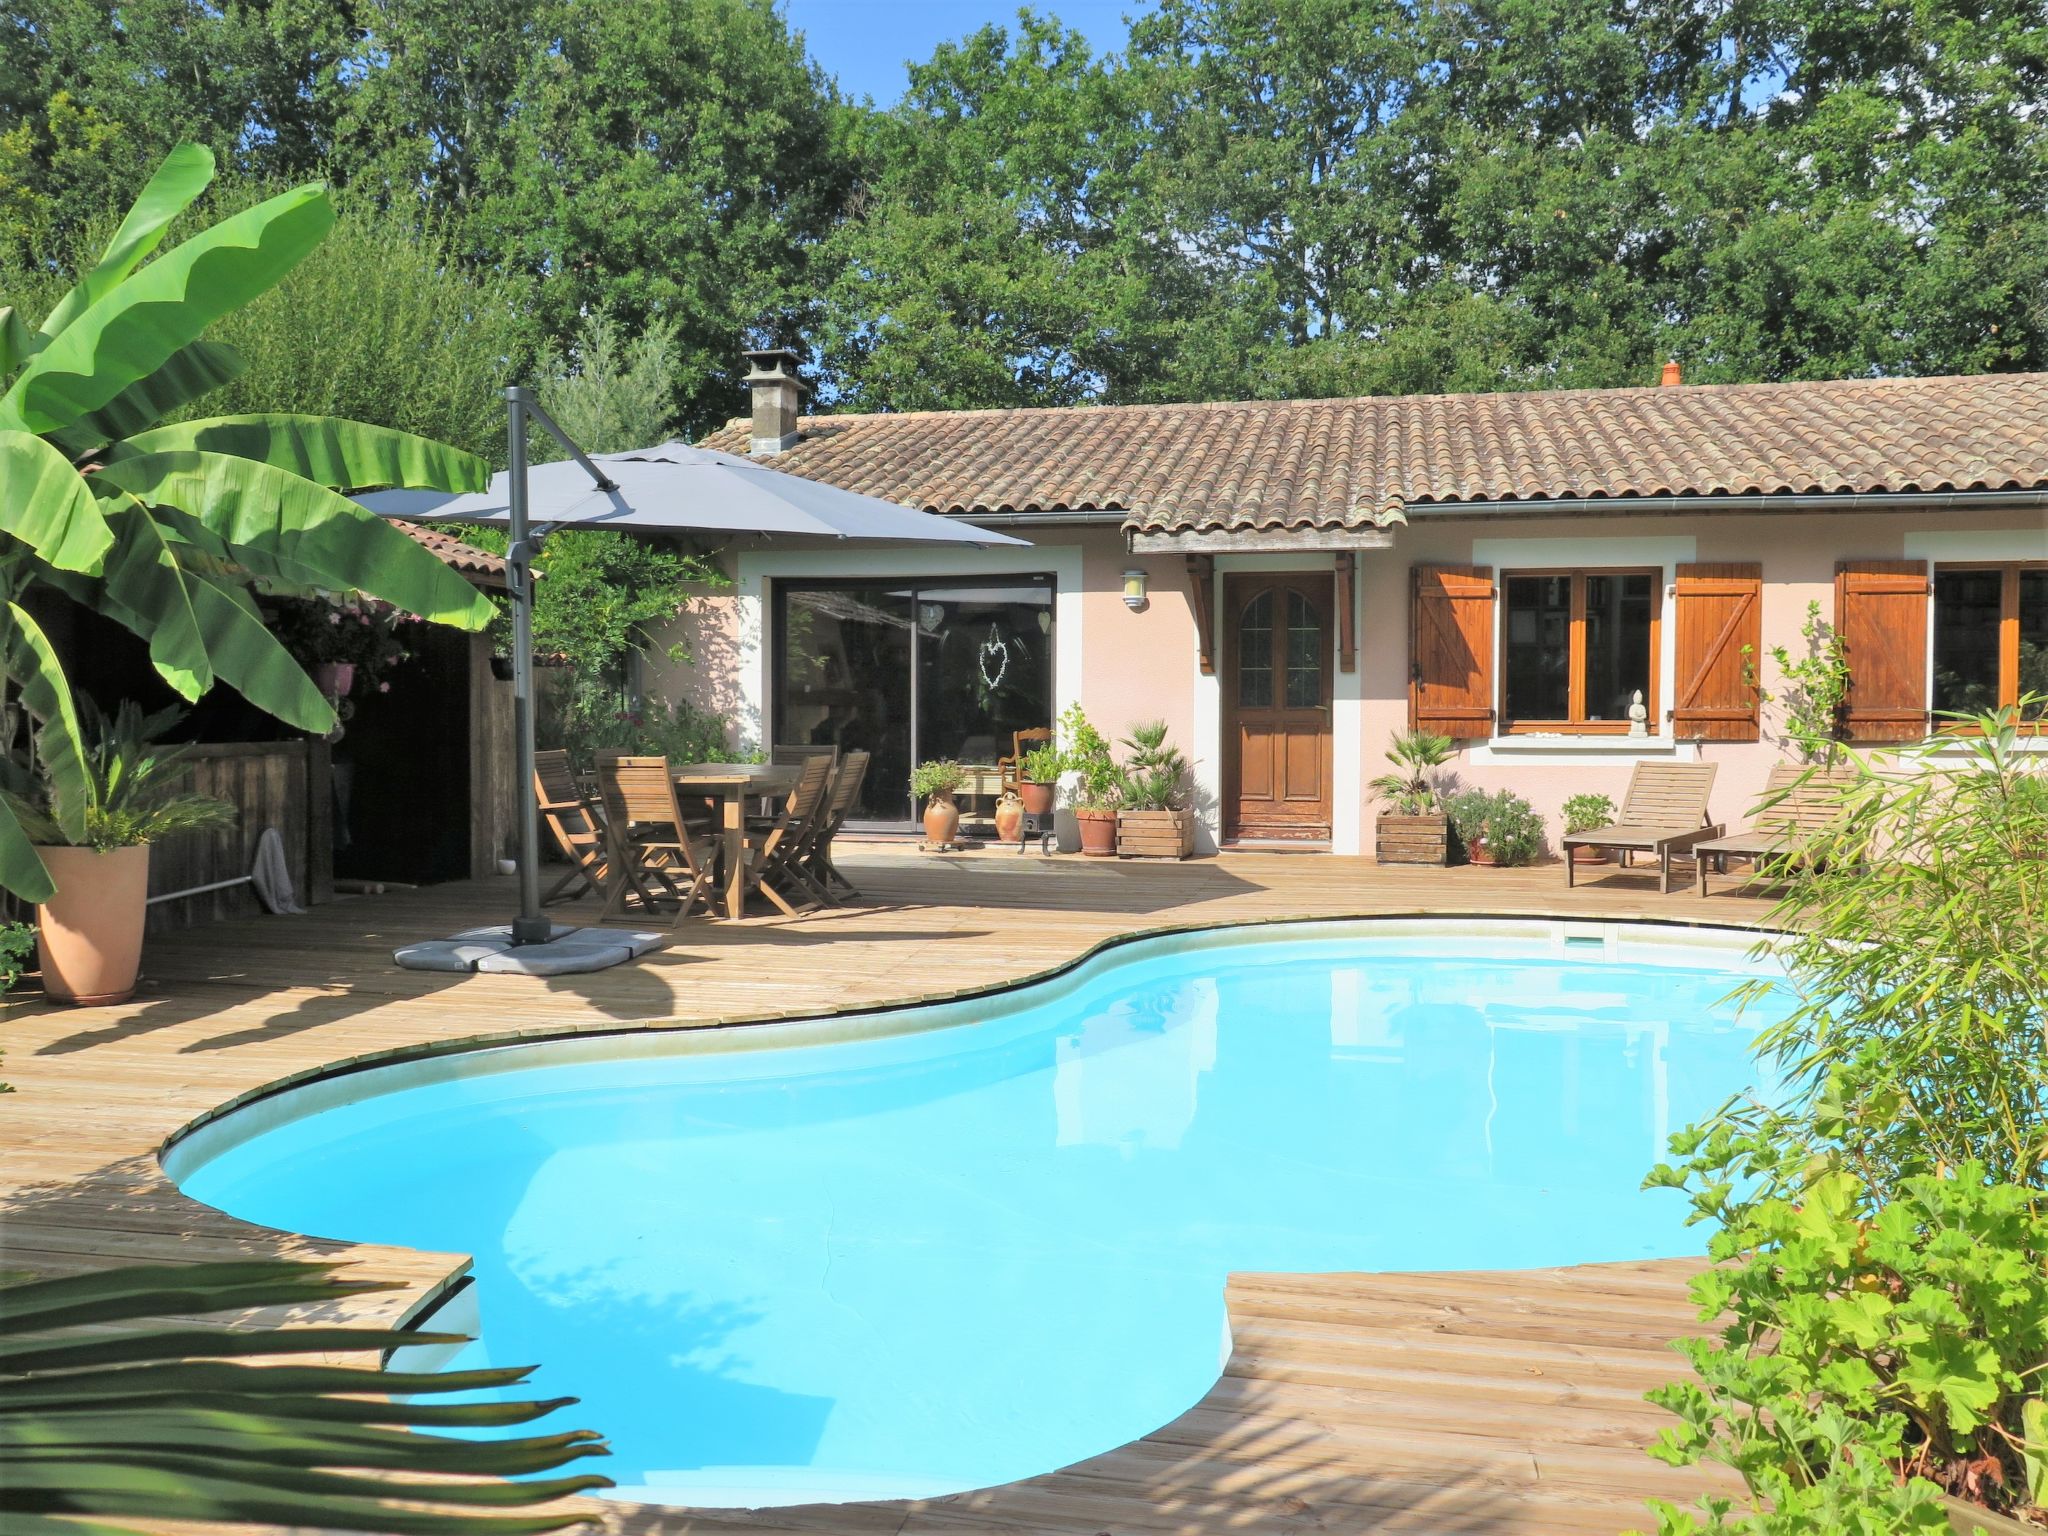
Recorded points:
1799,803
1664,813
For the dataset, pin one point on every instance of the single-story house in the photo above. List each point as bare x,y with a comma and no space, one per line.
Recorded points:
1288,584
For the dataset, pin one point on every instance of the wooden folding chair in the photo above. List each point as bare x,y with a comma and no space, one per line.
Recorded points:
772,843
816,853
658,853
577,829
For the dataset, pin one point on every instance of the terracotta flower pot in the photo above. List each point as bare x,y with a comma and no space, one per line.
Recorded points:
1589,856
89,934
1477,851
1009,819
1037,798
1098,833
335,678
941,821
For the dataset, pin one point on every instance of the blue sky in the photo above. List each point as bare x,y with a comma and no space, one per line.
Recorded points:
866,42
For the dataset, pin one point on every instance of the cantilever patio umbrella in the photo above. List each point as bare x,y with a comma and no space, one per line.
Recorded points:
672,488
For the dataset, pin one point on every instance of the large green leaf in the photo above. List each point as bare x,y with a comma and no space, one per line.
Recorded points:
46,504
17,342
144,590
185,173
310,532
27,656
131,331
341,455
21,867
192,371
249,658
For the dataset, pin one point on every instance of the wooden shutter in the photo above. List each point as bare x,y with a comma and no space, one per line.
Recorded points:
1718,610
1450,659
1881,615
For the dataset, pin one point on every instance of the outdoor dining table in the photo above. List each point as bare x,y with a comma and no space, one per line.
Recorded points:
733,785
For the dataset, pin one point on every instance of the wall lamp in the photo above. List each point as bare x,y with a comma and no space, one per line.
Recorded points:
1134,590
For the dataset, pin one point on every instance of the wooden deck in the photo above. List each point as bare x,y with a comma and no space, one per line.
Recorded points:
1505,1402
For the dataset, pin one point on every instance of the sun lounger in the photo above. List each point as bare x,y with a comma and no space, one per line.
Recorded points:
1664,813
1799,803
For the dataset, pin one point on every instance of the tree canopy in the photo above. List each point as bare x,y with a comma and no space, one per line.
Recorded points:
1246,198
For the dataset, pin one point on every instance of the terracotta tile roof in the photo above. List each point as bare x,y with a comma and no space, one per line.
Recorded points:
480,566
1347,463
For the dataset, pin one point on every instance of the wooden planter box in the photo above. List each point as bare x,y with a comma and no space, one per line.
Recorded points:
1413,840
1155,834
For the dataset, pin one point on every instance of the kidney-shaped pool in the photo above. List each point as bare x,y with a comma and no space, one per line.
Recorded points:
910,1253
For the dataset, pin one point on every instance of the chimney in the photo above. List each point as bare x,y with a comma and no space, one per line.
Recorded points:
1673,375
778,395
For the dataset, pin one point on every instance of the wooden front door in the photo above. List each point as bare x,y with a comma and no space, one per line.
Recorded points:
1276,687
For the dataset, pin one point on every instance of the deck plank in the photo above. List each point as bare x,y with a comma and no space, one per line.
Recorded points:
1486,1403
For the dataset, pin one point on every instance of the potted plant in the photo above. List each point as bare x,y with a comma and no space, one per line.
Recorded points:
934,784
1412,827
1098,782
1583,813
1153,819
89,931
1038,778
1500,828
342,643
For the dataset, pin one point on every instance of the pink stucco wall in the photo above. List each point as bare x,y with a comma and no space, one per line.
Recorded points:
1140,666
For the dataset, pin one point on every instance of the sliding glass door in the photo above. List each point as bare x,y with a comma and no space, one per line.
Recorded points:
911,671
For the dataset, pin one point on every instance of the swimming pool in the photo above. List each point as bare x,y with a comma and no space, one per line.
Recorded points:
905,1254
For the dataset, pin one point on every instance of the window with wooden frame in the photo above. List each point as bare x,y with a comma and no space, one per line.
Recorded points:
1577,646
1990,637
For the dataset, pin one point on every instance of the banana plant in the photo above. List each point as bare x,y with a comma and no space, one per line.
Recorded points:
171,530
114,1407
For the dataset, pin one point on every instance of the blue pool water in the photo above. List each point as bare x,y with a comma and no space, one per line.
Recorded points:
937,1260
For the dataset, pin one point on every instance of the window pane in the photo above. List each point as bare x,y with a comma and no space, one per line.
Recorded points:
1255,653
984,656
2034,641
1539,616
844,681
1966,614
1304,653
1618,660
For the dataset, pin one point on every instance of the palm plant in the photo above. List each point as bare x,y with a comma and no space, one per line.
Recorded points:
132,793
113,1408
169,530
1411,790
1155,775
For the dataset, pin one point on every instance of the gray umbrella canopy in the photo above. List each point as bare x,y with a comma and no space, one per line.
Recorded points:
676,488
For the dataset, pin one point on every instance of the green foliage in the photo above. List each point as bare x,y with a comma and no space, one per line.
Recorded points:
1085,752
1583,813
1411,789
1883,1231
937,779
1813,688
1500,823
1862,1339
17,943
610,395
368,636
132,793
1919,951
164,529
114,1409
586,722
1042,764
1156,776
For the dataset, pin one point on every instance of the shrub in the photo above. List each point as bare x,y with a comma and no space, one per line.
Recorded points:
589,721
1502,822
1582,813
934,779
1883,1232
1411,789
1085,752
1815,687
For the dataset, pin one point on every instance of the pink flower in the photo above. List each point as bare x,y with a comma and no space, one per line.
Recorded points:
333,617
383,687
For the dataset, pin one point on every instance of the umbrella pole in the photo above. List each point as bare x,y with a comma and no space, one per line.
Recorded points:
529,927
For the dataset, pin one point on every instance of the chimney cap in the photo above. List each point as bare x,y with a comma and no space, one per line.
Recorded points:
1673,374
773,363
